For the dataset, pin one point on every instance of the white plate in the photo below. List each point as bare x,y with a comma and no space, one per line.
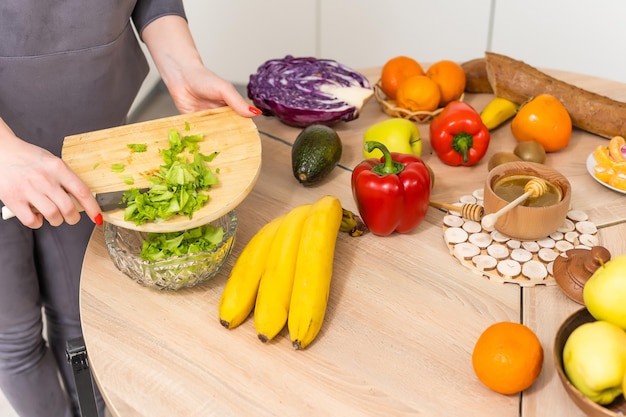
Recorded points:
591,163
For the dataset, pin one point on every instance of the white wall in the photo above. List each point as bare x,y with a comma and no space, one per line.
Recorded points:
366,33
582,36
236,36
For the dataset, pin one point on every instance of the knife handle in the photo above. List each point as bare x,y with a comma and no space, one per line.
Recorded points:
8,214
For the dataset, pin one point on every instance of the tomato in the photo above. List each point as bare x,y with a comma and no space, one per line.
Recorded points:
545,120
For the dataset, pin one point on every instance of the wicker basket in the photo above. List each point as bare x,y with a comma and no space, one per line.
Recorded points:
389,107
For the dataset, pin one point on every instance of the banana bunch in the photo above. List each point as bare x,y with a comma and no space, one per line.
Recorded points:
284,274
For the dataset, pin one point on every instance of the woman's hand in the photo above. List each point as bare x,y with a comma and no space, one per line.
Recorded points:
200,89
35,184
192,86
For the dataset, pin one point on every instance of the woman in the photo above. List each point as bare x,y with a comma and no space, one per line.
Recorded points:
68,67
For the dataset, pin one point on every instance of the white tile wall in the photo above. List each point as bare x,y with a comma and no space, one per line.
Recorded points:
367,33
235,37
571,35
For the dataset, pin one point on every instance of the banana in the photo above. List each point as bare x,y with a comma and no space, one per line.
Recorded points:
498,111
314,267
272,301
240,291
352,224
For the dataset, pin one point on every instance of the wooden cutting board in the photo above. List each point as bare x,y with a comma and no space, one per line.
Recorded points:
91,155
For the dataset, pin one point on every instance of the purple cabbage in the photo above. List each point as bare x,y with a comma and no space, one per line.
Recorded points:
291,89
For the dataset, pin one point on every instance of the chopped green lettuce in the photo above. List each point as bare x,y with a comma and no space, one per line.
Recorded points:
118,167
179,187
137,147
128,179
165,245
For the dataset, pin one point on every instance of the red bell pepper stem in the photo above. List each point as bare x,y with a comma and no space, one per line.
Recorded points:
389,166
462,143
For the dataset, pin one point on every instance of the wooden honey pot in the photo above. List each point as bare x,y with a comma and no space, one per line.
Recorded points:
537,217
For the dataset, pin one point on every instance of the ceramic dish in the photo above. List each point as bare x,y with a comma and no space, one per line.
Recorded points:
591,163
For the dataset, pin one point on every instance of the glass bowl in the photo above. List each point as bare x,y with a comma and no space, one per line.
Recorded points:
124,246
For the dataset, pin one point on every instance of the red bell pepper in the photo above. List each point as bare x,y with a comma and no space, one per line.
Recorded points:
458,135
392,193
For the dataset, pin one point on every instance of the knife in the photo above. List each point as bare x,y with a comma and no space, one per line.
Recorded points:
107,201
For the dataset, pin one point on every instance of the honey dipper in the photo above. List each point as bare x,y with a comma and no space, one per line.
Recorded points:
468,210
534,188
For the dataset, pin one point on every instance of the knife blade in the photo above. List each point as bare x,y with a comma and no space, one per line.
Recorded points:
113,199
107,201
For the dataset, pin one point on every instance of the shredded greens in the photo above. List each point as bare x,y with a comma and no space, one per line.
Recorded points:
165,245
178,186
118,168
137,147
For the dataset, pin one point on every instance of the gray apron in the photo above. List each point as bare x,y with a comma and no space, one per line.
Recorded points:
53,85
66,67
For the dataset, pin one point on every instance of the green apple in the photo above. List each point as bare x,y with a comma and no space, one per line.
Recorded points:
397,134
604,293
624,384
594,360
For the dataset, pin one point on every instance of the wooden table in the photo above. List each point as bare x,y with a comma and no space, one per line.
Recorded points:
402,319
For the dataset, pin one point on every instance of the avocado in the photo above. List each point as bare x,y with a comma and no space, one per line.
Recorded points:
315,153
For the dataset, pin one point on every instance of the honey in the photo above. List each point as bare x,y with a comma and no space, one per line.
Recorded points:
510,187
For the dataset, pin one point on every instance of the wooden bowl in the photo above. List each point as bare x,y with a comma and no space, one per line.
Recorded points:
590,408
527,223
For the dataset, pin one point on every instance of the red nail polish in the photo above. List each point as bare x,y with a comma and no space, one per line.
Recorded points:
98,219
255,110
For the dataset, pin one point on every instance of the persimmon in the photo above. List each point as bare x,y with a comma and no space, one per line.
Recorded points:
545,120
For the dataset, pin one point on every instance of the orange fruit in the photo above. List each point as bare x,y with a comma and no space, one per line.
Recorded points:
451,80
618,180
601,155
507,357
603,172
397,70
543,119
418,93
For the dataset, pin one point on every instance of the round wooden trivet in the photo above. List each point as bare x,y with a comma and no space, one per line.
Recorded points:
506,260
